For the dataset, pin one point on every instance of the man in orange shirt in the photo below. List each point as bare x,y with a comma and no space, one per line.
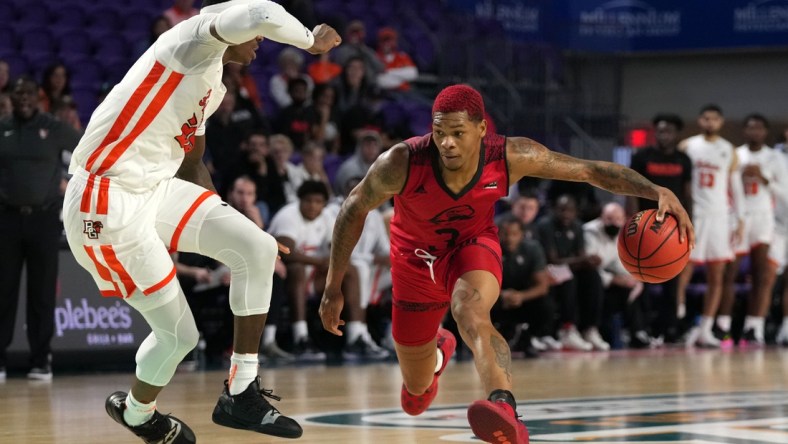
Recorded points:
399,67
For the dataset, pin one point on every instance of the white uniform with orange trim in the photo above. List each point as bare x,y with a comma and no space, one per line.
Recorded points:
124,211
711,163
759,199
778,250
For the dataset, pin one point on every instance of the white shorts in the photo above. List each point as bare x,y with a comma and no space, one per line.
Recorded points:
712,238
125,239
372,279
758,230
777,250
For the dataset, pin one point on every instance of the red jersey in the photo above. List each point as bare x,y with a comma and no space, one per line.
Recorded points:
429,216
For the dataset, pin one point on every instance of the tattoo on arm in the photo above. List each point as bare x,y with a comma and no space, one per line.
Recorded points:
503,357
530,158
385,178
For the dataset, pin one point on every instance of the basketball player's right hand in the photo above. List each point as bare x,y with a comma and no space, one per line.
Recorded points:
669,203
326,38
330,308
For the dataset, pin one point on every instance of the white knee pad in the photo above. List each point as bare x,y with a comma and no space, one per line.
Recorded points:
249,252
174,334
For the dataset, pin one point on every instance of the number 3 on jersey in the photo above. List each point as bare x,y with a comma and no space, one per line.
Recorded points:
451,241
706,180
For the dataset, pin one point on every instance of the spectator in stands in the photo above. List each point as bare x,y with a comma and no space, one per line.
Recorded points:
180,11
282,153
238,84
668,167
245,85
223,137
623,293
305,227
54,86
323,70
369,145
354,46
31,170
6,106
158,26
370,258
576,283
525,208
65,110
312,166
256,163
5,77
399,67
583,193
297,119
290,62
326,129
523,311
354,88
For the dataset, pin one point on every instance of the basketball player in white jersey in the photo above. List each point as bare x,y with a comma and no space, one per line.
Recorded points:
764,181
714,167
140,189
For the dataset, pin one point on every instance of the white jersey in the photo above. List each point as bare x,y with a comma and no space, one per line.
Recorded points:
711,162
760,198
781,203
139,134
312,237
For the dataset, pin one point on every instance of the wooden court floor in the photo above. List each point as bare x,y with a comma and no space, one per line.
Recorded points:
696,396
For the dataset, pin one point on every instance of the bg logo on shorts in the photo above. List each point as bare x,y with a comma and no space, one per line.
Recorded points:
92,228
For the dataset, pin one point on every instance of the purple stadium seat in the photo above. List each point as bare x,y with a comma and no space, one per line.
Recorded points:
70,16
86,102
37,41
85,73
103,18
137,21
74,43
7,13
7,40
32,13
17,64
110,46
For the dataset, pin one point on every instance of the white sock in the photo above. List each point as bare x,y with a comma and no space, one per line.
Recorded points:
439,360
136,412
681,311
724,323
706,323
756,324
269,334
243,370
785,323
354,330
300,330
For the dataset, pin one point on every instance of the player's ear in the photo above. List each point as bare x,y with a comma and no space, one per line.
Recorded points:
483,127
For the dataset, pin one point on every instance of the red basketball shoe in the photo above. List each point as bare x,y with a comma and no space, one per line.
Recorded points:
496,422
417,404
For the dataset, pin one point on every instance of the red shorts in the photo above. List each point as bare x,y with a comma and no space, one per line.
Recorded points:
421,298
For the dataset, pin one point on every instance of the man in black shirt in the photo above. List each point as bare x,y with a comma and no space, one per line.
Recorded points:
524,288
31,171
666,166
577,286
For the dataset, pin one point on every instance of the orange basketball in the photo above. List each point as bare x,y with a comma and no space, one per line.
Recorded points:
650,250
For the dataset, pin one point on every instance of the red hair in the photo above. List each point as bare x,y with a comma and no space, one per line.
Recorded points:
459,98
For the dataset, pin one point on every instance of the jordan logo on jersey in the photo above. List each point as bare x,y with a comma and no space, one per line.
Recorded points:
92,228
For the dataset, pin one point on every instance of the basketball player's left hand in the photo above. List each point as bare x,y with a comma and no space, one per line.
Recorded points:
330,308
669,203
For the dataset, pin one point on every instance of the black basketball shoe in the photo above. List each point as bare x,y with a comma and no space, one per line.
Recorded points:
249,410
161,429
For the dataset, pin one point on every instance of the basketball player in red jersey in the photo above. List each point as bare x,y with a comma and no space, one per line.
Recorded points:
445,250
